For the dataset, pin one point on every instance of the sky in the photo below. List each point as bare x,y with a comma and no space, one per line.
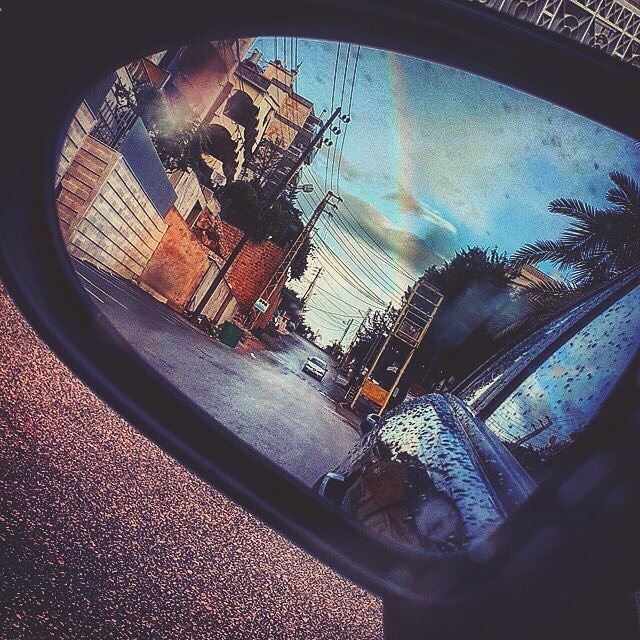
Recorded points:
435,159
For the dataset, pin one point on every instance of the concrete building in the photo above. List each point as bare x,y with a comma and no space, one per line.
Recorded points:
118,210
121,210
287,133
257,124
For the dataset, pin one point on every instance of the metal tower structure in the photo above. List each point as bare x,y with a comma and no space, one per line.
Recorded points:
400,345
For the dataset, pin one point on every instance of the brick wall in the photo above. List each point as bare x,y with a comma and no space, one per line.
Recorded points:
178,264
252,269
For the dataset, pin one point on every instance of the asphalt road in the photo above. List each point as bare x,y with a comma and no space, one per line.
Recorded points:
104,536
261,396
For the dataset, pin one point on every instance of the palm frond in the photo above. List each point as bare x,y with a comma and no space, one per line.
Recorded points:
537,252
573,209
551,288
626,192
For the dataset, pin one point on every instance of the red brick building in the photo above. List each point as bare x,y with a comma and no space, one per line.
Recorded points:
252,269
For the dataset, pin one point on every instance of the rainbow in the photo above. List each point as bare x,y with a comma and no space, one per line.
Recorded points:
405,176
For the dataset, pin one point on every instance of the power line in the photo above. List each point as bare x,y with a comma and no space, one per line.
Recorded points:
324,297
295,80
363,287
384,255
376,275
330,262
377,244
344,81
335,315
381,276
366,272
333,93
335,327
334,296
350,274
349,116
354,232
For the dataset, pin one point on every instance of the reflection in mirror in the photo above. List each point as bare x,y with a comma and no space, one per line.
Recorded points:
410,287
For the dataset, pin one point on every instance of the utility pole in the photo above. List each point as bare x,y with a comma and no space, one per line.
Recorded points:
344,333
309,291
317,139
280,274
403,340
347,353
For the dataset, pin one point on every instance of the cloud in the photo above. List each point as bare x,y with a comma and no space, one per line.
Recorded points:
414,252
349,170
410,205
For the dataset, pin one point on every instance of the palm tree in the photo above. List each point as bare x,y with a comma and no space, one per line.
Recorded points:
537,303
599,243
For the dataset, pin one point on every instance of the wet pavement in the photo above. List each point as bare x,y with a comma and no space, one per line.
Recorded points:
104,536
262,396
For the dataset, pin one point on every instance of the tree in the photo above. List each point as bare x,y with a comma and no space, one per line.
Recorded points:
479,302
305,331
240,204
598,243
264,161
179,137
369,339
301,260
540,301
283,223
335,349
290,303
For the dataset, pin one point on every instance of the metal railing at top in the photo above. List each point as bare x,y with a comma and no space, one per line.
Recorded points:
612,26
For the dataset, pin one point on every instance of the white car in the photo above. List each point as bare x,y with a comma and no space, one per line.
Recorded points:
315,367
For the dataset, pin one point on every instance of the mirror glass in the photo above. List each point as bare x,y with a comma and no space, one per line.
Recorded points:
408,286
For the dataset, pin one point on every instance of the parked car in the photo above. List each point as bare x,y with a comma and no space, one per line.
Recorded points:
445,469
315,367
431,475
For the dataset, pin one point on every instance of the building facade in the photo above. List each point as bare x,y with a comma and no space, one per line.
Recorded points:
613,26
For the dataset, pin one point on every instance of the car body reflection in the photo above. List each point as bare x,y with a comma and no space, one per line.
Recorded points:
435,473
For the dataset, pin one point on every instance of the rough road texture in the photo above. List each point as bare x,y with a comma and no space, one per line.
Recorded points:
103,536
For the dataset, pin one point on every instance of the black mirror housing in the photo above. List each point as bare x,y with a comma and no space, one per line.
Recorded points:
49,62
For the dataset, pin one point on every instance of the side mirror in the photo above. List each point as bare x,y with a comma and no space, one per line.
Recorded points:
101,201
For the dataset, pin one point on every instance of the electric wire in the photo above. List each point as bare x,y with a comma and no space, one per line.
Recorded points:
346,125
332,314
381,277
335,306
332,296
365,273
383,254
376,275
333,93
344,81
348,273
399,267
